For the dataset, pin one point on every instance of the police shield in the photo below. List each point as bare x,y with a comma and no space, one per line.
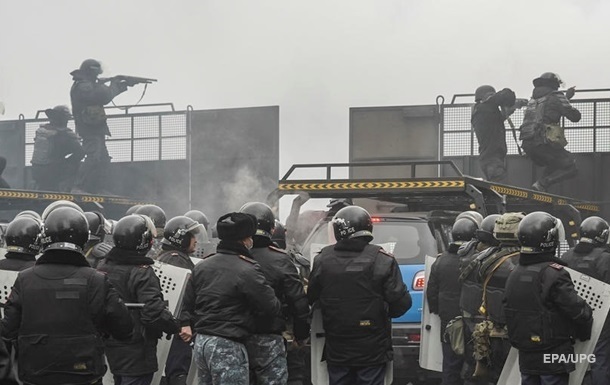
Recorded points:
597,295
430,350
7,279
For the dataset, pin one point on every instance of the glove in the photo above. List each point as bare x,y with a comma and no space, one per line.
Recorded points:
570,92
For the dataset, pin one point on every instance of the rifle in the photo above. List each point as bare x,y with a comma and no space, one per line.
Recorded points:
129,80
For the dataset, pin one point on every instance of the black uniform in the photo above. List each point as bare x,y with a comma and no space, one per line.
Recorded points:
544,313
56,158
443,294
546,108
360,289
58,311
17,261
88,99
136,282
488,123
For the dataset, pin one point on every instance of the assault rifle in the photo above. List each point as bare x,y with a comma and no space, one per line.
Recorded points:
129,80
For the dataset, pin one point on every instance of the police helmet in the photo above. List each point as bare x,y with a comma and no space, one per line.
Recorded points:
91,66
279,234
132,209
180,230
486,232
98,225
57,204
265,220
29,213
540,232
65,228
157,215
134,233
482,92
351,222
594,230
474,216
23,235
548,79
198,216
463,230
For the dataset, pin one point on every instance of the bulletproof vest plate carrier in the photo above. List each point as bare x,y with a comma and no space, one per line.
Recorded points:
533,119
43,146
58,340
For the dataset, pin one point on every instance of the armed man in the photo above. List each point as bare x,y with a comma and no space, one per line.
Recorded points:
128,268
591,257
266,348
60,309
57,152
542,134
544,313
443,293
488,115
359,288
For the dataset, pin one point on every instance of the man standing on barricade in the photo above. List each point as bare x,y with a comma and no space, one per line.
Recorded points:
360,288
544,313
180,240
266,348
591,257
134,362
230,293
60,309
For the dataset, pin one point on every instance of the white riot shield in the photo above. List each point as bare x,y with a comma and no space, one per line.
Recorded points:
7,279
430,349
597,295
195,260
173,282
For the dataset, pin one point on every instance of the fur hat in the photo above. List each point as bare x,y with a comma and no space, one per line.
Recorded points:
236,226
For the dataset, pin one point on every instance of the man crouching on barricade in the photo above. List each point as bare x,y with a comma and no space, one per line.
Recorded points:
543,311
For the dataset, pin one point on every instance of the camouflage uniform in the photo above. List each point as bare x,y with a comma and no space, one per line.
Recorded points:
221,361
267,356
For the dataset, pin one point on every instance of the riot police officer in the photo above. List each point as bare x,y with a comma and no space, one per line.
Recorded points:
483,240
543,311
129,270
205,245
158,217
266,350
590,256
541,132
89,95
443,293
57,152
22,243
60,309
96,249
180,240
360,288
229,292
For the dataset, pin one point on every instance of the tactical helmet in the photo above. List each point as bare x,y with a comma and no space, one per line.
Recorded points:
98,225
351,222
58,113
474,216
594,230
463,230
133,209
548,79
507,226
198,216
157,215
482,92
65,228
265,220
486,232
29,213
540,232
23,235
135,233
279,234
91,66
57,204
180,230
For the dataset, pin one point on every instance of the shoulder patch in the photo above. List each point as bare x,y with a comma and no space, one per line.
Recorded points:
252,261
277,249
556,266
386,253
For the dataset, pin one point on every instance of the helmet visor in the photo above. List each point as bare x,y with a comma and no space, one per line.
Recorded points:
150,225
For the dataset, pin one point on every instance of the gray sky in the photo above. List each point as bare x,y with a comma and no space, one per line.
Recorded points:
313,58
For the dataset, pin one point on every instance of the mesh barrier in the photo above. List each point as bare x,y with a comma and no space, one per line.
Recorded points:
146,137
590,134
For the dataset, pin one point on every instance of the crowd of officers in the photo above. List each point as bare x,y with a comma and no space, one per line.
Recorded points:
86,294
502,284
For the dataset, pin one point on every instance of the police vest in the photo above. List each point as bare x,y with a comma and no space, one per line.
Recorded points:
533,120
472,285
532,326
496,270
43,146
58,340
352,307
